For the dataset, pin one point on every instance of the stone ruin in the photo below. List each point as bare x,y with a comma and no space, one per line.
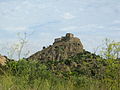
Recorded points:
62,48
67,37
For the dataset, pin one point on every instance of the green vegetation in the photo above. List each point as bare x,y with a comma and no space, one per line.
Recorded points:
84,71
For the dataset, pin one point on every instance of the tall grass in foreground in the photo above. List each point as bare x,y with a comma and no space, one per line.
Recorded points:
13,83
32,75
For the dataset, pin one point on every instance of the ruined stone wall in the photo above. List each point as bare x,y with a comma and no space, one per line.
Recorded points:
69,35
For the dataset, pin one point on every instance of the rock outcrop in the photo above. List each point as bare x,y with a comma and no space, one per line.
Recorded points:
62,48
3,60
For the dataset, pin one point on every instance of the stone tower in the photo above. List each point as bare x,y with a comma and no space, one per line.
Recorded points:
62,48
69,35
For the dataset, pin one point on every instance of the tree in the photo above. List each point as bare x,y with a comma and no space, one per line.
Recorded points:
111,49
17,50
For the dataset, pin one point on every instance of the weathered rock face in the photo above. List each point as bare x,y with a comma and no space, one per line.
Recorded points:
62,48
3,60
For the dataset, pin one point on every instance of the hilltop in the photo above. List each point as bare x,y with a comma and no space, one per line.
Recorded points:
65,65
62,48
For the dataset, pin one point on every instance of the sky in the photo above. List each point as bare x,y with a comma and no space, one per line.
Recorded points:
44,20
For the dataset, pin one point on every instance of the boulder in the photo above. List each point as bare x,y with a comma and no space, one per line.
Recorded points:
3,60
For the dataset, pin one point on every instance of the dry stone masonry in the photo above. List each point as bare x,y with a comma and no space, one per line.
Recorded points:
62,48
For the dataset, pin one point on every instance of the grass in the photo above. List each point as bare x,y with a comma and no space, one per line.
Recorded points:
11,82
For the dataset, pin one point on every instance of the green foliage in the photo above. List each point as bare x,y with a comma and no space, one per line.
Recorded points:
111,49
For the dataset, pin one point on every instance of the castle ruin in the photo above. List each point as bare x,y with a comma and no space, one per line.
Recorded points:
64,38
62,48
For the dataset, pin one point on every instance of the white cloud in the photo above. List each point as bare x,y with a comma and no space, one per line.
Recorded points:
81,9
92,26
82,27
19,28
115,28
68,16
116,22
69,28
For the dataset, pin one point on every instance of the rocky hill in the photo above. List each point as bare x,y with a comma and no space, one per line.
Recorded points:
62,48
